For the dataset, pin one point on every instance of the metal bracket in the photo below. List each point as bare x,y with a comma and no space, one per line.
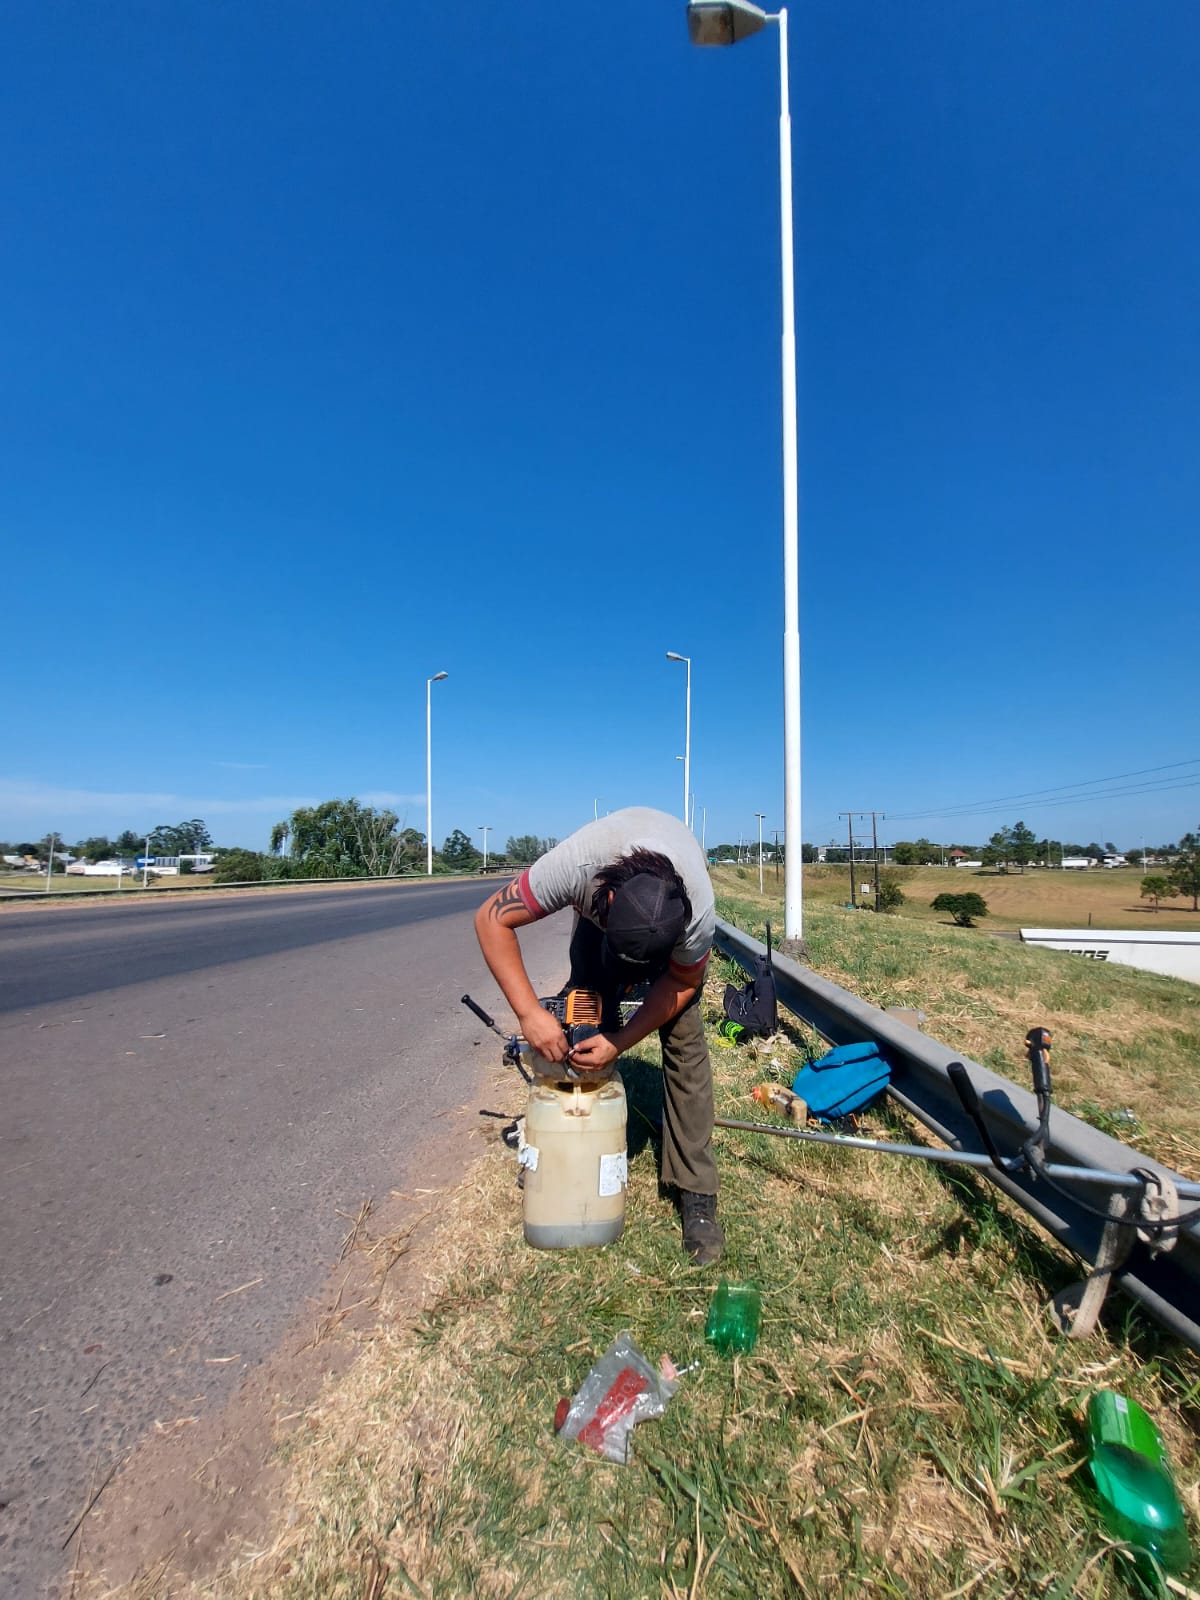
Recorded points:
1145,1216
1074,1310
1159,1209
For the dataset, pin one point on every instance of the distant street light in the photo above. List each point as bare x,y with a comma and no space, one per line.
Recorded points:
687,732
429,682
760,815
726,22
485,828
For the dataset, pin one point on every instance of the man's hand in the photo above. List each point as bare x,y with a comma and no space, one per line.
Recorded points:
594,1054
544,1034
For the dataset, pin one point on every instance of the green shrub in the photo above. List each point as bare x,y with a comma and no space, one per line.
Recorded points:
964,908
891,894
239,866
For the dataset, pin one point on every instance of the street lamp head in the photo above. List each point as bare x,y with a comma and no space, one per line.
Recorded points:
438,676
674,656
720,22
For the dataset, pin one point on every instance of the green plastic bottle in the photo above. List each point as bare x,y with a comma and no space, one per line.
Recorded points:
734,1317
1137,1493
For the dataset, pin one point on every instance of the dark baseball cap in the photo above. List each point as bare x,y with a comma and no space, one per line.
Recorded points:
645,922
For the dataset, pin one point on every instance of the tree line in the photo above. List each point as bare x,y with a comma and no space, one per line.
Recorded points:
344,839
167,839
1182,877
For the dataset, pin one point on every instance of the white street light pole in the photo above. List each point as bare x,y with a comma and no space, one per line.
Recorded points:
760,815
725,22
50,863
485,828
146,861
429,682
687,733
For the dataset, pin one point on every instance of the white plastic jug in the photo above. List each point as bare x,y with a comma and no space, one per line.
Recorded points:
575,1165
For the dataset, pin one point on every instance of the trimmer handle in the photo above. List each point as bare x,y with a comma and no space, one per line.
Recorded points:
967,1093
489,1022
1037,1046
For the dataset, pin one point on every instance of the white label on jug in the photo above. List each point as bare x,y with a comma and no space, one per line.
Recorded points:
527,1156
614,1174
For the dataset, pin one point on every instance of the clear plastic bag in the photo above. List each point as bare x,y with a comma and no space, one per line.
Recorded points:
621,1390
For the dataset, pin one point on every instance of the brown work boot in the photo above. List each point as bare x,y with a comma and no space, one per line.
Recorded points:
703,1238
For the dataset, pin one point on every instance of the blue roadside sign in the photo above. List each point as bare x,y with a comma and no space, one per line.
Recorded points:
147,861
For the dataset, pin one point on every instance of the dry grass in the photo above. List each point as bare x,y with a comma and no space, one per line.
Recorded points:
907,1426
1030,899
1123,1040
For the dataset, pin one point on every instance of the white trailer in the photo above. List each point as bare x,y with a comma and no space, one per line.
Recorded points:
1076,863
1177,955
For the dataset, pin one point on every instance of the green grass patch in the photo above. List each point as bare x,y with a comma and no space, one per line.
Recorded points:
909,1423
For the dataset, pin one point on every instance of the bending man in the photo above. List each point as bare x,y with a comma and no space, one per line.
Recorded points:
639,886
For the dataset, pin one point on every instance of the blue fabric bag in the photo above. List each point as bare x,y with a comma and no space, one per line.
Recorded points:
848,1079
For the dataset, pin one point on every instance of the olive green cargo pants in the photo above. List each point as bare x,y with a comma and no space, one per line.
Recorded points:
687,1154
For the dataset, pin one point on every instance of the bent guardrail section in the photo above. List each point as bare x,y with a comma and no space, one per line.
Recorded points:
1167,1285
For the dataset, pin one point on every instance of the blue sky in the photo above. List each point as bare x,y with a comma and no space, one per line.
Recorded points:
347,344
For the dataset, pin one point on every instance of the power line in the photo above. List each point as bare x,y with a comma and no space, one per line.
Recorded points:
1066,794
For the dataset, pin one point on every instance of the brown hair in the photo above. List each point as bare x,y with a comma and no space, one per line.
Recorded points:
632,865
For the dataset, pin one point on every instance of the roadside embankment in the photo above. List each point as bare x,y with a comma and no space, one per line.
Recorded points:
909,1423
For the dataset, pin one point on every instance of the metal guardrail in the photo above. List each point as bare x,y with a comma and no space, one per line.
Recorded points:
136,890
1168,1285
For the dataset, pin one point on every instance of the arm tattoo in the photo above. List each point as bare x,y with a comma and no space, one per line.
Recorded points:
505,900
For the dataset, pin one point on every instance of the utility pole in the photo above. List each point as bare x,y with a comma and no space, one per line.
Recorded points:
850,816
875,848
874,816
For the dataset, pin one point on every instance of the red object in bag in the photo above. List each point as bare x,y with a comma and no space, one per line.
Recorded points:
626,1391
621,1390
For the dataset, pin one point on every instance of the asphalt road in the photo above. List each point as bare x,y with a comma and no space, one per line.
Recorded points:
191,1092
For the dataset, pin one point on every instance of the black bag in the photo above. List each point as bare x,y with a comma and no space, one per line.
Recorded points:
754,1004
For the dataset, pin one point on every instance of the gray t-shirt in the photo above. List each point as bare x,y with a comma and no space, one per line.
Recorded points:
565,875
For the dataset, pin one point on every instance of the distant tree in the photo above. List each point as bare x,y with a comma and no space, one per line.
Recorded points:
1185,869
45,844
343,839
1096,851
891,895
526,848
239,866
998,850
128,843
905,854
27,849
808,854
181,838
1157,887
459,854
1022,845
964,908
98,848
